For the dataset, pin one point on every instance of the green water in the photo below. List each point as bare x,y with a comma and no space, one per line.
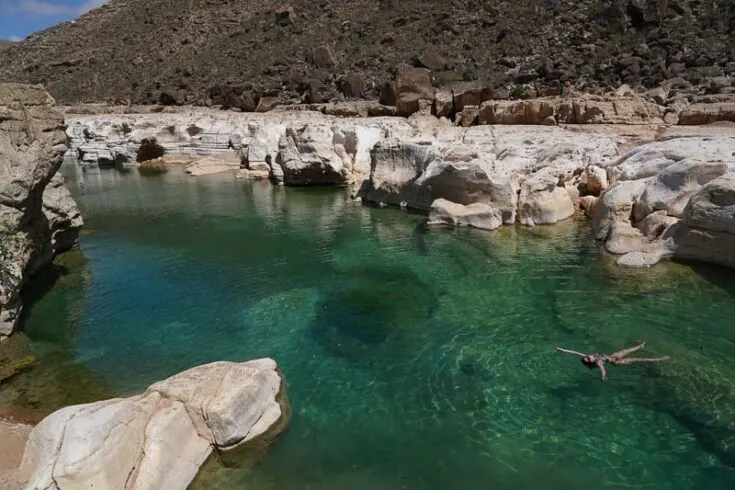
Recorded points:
416,359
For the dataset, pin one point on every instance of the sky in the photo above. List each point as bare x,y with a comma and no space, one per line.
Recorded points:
19,18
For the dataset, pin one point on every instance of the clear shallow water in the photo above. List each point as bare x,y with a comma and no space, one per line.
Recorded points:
414,359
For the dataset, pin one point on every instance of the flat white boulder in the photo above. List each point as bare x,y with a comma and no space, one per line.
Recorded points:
214,164
158,439
476,215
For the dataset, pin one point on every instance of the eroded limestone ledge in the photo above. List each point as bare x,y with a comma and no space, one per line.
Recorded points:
524,171
38,216
160,438
632,179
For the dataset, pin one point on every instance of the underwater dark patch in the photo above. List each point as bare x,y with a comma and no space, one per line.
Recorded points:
370,308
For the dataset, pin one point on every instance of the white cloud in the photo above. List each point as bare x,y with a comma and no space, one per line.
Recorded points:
14,39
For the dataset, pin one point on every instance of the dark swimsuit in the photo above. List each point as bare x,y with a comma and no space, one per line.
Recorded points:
603,357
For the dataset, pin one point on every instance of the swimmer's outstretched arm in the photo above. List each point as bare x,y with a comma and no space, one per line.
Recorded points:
603,373
571,352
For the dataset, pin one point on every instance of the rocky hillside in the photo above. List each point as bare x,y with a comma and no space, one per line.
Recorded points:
38,216
232,52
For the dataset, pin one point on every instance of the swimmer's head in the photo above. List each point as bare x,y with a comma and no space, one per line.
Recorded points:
589,361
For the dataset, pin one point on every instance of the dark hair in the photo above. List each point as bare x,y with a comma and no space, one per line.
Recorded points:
590,364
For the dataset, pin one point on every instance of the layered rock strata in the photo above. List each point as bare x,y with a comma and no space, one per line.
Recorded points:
38,217
160,438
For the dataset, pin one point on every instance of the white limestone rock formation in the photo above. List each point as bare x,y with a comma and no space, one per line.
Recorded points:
395,168
160,438
523,172
542,203
36,220
594,180
707,231
308,156
529,174
643,215
616,206
115,140
476,215
671,189
62,214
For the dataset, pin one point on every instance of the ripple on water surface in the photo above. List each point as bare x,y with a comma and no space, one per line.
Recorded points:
414,359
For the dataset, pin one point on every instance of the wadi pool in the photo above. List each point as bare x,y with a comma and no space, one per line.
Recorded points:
415,359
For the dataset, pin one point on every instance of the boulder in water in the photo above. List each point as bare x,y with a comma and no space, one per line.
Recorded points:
476,215
158,439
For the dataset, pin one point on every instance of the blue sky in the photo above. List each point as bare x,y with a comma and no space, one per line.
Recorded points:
19,18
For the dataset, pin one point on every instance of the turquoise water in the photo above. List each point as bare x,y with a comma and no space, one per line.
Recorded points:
415,359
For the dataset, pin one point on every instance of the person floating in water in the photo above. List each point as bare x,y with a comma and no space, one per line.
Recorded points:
593,361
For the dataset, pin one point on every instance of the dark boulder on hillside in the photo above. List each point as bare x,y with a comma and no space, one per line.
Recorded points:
413,89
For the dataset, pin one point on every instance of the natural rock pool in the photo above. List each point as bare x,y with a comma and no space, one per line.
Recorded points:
417,359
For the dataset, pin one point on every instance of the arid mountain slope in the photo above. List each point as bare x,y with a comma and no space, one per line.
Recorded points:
209,51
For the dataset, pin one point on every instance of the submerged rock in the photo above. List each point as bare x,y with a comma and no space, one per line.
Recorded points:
158,439
36,220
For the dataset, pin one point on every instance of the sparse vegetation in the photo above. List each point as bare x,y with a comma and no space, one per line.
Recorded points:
149,150
517,92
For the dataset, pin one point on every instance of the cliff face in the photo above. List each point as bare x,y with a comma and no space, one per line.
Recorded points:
36,220
238,52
